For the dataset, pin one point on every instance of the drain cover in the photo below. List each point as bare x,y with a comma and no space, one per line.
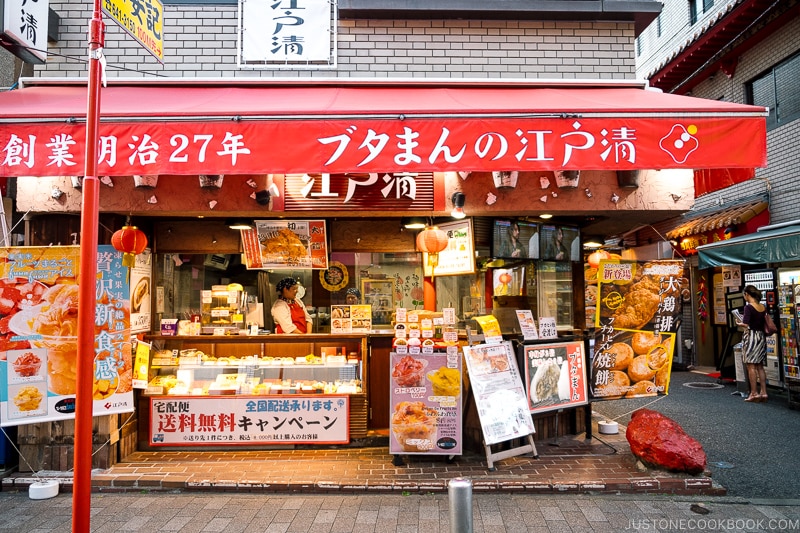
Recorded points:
703,385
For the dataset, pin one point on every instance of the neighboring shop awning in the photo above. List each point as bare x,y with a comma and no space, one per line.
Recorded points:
770,246
187,127
731,216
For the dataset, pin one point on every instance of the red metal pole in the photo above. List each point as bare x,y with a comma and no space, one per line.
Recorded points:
428,294
87,299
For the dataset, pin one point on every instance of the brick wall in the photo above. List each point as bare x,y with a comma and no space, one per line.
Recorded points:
200,41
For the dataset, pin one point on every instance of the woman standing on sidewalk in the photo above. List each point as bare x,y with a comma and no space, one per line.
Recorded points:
754,343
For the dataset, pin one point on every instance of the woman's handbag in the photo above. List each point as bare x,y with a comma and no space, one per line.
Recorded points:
769,325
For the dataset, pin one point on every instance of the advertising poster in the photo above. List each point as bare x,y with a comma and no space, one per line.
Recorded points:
351,318
286,244
212,421
639,306
141,292
38,343
555,375
499,393
459,256
426,403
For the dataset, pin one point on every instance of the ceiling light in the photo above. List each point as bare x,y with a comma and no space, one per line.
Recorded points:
592,244
545,216
458,199
414,222
239,224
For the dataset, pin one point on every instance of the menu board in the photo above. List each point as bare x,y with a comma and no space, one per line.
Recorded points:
555,375
351,318
459,256
39,343
426,403
639,306
499,392
299,244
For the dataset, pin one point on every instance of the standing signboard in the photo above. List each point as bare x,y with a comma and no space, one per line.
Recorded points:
556,376
499,393
39,344
639,310
426,403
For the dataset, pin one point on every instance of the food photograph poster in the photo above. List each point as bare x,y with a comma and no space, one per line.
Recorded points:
426,404
638,308
556,376
286,244
38,334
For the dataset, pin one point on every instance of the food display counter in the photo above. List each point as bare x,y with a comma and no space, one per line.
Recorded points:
255,390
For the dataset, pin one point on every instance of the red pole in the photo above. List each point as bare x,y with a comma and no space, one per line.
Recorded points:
87,299
428,293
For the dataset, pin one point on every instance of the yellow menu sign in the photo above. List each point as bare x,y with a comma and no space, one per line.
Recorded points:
143,20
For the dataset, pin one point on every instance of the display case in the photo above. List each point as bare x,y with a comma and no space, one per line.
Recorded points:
238,377
555,292
788,296
379,293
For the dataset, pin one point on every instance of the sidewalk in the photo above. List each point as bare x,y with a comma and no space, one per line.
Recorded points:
571,464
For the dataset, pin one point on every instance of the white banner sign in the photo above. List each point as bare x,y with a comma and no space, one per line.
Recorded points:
277,34
243,420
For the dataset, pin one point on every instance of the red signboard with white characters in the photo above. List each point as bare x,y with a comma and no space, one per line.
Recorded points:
364,145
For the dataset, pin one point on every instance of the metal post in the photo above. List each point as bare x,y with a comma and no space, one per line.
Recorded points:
82,478
459,491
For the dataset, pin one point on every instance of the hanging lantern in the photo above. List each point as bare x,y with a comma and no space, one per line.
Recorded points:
131,241
432,240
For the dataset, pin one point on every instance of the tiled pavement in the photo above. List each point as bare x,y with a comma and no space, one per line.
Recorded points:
571,464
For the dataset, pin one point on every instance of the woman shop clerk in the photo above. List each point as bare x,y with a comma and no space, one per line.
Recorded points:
288,311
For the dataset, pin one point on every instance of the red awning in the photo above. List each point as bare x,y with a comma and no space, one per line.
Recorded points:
234,127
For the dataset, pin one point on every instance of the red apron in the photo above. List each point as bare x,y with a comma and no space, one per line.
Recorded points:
298,319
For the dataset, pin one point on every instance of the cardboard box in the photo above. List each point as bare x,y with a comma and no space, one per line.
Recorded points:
169,326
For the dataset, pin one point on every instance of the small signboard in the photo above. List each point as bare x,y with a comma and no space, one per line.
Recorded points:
300,244
141,19
555,375
459,256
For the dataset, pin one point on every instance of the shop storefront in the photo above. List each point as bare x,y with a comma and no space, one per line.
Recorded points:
356,158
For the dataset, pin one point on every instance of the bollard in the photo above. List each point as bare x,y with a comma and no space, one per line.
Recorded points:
459,490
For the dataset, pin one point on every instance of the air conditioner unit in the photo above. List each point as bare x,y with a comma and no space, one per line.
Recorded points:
217,261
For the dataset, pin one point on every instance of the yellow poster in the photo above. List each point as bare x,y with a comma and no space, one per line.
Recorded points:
489,325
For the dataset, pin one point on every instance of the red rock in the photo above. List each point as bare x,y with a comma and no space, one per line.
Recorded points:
660,441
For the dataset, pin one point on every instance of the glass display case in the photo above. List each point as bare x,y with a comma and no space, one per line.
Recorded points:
554,291
379,293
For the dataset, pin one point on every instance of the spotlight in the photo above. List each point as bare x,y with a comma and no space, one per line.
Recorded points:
413,222
458,199
239,224
262,197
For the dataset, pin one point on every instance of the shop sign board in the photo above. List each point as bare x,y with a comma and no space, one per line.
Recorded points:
301,244
459,256
426,403
499,392
24,30
141,19
638,310
556,376
285,34
39,346
247,420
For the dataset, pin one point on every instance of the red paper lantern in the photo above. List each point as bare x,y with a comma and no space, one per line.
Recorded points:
432,240
129,240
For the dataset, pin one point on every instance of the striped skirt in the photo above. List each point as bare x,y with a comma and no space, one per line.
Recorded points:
754,347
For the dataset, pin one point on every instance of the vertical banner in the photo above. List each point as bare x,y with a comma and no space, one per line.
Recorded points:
141,292
426,403
38,334
639,305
